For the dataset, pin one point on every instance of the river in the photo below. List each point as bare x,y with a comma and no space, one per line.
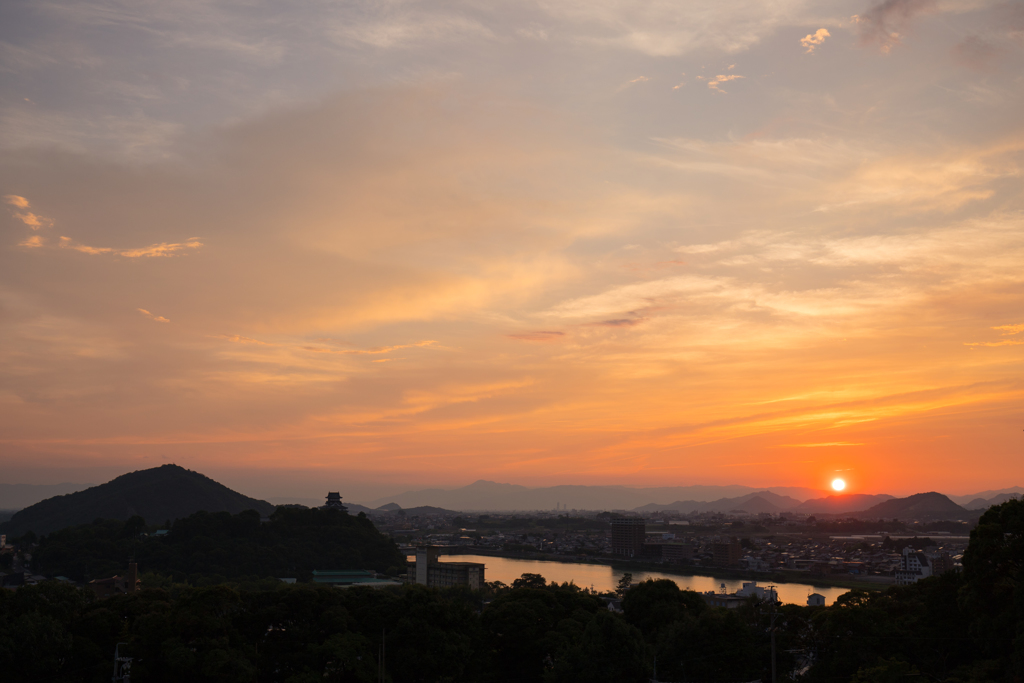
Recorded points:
604,578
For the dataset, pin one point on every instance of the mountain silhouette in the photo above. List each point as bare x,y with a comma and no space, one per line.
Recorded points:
929,504
156,495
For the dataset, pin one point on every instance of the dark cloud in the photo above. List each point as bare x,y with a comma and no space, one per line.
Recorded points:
977,53
883,24
619,322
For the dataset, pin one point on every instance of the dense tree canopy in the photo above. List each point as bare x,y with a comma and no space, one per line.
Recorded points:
212,547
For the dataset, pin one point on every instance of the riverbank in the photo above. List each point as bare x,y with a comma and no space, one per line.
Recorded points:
781,576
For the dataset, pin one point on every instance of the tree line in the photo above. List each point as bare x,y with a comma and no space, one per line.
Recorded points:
210,548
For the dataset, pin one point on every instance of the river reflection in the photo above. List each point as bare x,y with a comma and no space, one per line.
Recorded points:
604,578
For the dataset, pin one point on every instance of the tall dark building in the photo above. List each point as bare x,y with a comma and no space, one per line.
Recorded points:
628,535
727,553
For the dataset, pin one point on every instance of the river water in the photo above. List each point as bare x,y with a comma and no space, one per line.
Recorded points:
604,578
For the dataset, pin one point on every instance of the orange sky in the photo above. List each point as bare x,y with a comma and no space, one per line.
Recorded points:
563,243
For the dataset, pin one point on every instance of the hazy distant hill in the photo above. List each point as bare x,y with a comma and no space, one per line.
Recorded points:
982,503
918,505
985,495
427,511
851,502
489,495
18,496
158,494
753,503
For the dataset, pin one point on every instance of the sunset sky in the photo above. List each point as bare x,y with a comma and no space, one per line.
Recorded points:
378,246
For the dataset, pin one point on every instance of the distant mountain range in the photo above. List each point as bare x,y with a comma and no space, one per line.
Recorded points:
156,495
968,499
982,503
18,496
491,496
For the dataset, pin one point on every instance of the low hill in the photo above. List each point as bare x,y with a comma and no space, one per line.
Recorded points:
834,505
930,504
162,493
757,505
428,511
18,496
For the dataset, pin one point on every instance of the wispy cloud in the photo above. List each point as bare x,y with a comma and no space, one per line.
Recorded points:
32,242
374,351
715,82
155,318
16,201
1006,331
30,219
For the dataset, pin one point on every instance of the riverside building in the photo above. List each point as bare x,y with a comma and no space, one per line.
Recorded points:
429,571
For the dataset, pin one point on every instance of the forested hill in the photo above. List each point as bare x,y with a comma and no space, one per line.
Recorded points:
208,548
158,494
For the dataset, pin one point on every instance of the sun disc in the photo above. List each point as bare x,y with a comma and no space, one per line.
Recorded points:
838,484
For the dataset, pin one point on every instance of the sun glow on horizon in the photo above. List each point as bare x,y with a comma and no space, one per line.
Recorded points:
838,484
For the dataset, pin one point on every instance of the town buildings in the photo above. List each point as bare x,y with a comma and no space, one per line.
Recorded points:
117,585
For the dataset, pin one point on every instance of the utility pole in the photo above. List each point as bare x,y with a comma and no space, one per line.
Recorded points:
772,618
122,666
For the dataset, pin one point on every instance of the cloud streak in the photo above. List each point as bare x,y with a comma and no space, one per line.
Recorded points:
163,249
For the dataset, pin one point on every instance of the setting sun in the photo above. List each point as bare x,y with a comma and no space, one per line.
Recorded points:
838,484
